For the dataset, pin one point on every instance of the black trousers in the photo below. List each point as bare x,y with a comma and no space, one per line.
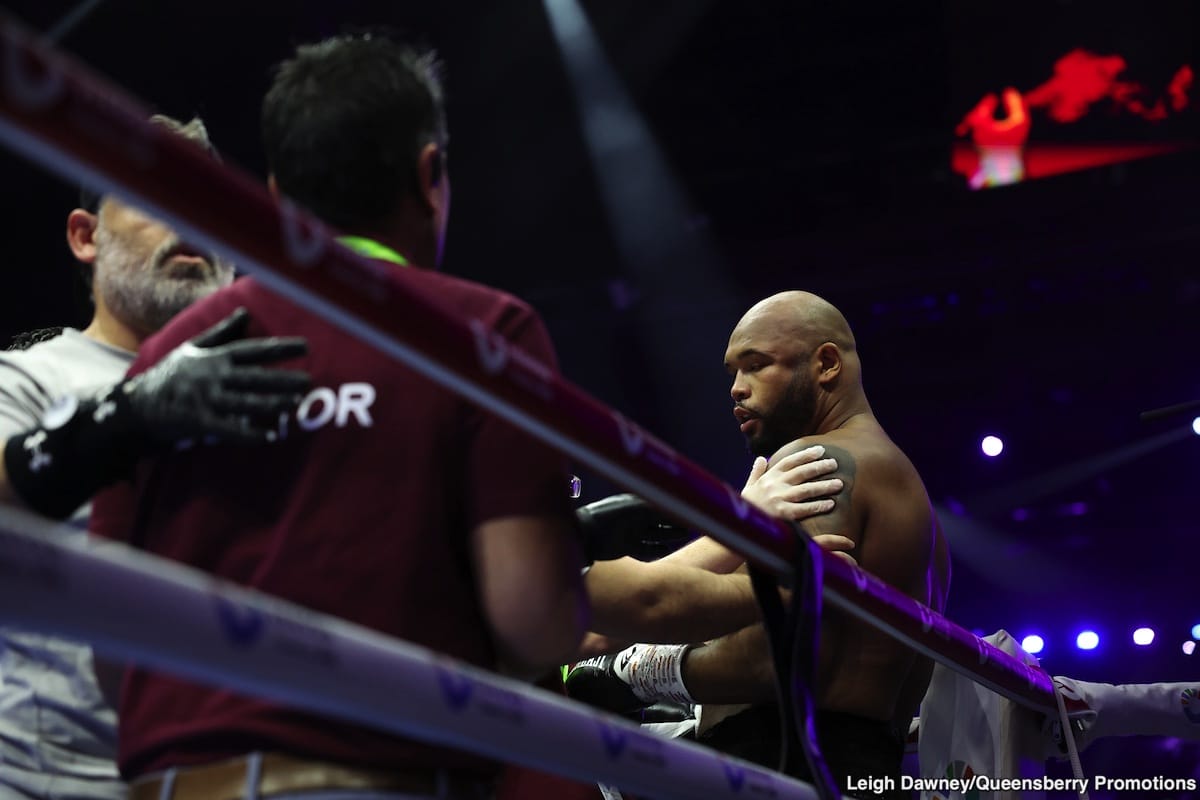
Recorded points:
854,747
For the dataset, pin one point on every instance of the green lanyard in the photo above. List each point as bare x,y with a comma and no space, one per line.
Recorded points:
372,249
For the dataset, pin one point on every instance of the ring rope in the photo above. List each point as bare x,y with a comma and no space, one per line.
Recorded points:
139,607
1068,733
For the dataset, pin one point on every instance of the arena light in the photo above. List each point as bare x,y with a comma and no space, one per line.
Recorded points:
1087,640
1189,647
1000,499
651,216
1075,509
654,223
991,446
1196,631
1033,644
1143,636
1196,426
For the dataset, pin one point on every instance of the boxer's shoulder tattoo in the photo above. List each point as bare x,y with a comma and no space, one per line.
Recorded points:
847,467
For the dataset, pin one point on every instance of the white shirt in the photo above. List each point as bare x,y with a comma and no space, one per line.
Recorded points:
57,733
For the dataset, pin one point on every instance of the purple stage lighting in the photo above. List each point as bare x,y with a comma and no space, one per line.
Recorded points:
1087,640
991,446
1189,647
1033,644
1076,509
1143,636
1196,426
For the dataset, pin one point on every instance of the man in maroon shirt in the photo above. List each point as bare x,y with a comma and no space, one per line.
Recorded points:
389,501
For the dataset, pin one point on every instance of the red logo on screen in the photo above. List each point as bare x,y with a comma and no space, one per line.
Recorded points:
1082,79
1000,127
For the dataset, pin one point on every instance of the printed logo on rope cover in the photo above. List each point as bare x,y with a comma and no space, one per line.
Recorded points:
735,776
456,687
741,507
1190,700
491,347
303,240
632,436
614,740
31,89
242,626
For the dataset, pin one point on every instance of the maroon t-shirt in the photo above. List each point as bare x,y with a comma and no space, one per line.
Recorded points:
363,511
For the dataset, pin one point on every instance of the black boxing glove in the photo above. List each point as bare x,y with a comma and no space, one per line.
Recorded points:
209,386
595,681
620,525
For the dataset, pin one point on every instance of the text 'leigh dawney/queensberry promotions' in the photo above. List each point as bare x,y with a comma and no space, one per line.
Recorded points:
986,783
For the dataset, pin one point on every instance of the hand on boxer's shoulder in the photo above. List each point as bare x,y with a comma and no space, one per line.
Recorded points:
793,487
836,544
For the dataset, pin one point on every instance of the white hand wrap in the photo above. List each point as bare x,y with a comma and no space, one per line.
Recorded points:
654,672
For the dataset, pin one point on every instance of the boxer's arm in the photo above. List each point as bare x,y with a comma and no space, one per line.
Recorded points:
705,553
528,574
733,669
738,668
673,600
797,484
662,601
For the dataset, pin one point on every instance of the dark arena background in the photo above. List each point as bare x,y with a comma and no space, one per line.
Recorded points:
1003,198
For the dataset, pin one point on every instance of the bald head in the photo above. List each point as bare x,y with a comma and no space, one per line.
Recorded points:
795,368
802,317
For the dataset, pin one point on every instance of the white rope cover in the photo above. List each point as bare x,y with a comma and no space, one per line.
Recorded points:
137,607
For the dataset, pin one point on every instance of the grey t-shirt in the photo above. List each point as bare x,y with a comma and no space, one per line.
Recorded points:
57,733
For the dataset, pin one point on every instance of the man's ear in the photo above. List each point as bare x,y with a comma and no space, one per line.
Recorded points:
81,235
829,358
430,174
273,187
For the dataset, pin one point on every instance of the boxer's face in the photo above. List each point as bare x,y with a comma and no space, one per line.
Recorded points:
774,395
144,273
